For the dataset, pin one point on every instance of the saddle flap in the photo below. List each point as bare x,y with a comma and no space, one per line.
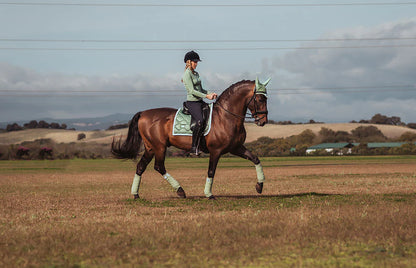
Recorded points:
182,122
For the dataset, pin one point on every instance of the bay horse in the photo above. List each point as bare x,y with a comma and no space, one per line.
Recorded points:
153,128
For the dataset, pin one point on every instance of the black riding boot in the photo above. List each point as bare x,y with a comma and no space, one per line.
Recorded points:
196,138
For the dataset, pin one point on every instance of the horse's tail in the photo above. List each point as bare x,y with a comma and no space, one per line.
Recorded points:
129,149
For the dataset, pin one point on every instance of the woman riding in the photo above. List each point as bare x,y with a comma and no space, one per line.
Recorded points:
195,96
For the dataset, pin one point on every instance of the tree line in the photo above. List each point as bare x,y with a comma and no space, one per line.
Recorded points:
35,124
377,119
296,145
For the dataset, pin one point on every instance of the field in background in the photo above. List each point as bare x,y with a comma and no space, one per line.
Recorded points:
315,211
253,132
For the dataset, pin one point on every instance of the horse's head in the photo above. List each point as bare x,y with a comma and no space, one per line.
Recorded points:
258,103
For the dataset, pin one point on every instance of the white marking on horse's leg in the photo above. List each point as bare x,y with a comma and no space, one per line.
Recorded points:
136,184
172,181
260,173
208,187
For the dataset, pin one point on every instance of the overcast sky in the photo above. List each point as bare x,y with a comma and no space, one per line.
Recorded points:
330,63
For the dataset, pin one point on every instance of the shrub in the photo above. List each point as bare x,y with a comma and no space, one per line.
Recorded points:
13,127
368,134
81,136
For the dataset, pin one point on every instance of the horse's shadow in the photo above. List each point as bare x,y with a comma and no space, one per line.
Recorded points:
261,196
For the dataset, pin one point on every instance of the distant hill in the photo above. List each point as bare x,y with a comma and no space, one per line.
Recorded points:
253,132
91,123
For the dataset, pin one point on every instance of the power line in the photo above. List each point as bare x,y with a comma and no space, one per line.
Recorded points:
207,5
205,49
296,91
202,41
181,89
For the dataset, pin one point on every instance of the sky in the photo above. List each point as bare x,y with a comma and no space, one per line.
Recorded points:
329,60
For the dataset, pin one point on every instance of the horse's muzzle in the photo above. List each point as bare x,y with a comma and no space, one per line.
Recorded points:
261,121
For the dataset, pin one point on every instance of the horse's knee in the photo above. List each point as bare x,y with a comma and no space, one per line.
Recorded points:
256,160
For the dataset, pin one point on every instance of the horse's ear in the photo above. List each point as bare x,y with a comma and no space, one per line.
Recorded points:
257,83
267,81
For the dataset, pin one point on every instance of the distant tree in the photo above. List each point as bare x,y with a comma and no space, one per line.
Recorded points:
408,136
394,120
368,134
119,126
54,125
379,119
385,120
31,124
43,124
13,127
306,137
411,125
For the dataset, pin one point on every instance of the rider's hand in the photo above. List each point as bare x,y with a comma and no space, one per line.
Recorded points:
212,96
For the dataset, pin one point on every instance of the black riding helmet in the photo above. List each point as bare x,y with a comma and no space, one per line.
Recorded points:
191,55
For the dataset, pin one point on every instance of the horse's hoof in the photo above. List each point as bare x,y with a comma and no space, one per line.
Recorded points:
136,196
259,187
211,197
181,192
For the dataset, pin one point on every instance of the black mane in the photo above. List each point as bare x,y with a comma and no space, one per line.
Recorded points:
233,88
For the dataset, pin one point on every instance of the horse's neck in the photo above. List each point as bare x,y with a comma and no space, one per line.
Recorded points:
234,107
236,103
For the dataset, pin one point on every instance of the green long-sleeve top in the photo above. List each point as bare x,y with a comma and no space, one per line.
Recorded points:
193,86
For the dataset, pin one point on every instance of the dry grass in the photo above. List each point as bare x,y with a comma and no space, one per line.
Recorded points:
313,212
253,132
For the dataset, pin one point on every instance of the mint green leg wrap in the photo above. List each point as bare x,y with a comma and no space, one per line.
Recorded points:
260,173
172,181
208,187
136,184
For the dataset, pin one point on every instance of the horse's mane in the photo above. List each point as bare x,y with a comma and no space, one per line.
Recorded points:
231,90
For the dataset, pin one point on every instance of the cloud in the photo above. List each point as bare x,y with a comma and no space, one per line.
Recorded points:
312,70
27,94
374,74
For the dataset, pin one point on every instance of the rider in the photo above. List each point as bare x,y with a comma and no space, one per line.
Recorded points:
194,98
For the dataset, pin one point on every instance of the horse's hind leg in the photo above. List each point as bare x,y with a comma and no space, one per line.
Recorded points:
160,167
141,167
246,154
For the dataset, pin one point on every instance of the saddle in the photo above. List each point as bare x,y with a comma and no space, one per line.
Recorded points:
205,114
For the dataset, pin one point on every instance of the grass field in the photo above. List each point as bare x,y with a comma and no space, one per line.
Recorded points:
314,211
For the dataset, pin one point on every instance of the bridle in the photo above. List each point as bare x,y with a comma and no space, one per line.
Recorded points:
252,115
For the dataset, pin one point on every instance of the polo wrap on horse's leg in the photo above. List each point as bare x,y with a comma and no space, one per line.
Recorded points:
260,173
136,184
172,181
208,187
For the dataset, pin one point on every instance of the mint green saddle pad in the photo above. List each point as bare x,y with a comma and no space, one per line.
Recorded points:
181,124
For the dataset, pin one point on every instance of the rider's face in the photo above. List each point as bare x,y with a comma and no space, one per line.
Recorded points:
194,64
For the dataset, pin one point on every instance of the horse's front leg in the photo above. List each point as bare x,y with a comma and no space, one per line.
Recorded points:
213,162
246,154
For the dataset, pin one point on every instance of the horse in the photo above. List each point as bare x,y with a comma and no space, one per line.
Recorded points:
153,129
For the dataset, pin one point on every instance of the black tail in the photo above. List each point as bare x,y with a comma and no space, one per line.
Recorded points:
129,149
